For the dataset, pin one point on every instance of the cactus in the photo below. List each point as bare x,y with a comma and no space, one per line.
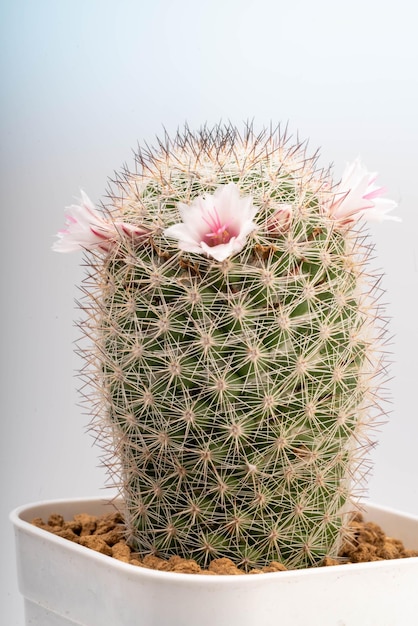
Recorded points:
234,377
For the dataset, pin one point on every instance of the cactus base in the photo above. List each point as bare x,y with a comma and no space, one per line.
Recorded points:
64,583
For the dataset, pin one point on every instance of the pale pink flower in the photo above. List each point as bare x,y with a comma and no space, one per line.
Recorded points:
86,229
358,197
279,222
217,225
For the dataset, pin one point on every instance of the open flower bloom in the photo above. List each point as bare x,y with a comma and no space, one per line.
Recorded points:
86,229
217,225
357,196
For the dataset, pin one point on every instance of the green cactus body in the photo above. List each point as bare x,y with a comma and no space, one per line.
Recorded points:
238,395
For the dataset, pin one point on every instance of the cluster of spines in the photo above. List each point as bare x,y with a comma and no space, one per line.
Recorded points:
237,394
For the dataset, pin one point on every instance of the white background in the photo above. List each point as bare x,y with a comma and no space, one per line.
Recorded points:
82,82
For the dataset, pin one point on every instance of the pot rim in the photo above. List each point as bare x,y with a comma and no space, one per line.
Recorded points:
17,518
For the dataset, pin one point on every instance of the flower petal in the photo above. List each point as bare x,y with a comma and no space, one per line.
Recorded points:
220,252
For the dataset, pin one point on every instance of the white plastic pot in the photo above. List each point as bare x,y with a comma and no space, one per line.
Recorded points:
64,583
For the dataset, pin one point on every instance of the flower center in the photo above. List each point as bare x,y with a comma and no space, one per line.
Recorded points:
219,231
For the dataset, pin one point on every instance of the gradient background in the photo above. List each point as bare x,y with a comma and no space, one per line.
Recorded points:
82,82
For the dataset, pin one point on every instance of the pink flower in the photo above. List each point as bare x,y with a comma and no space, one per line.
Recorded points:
279,222
357,196
86,229
217,225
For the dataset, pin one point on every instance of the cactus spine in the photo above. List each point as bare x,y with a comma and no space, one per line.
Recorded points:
236,396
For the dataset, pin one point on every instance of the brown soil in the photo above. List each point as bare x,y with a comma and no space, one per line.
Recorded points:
105,534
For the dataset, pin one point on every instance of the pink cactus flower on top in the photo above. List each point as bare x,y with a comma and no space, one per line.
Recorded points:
86,229
358,197
216,225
